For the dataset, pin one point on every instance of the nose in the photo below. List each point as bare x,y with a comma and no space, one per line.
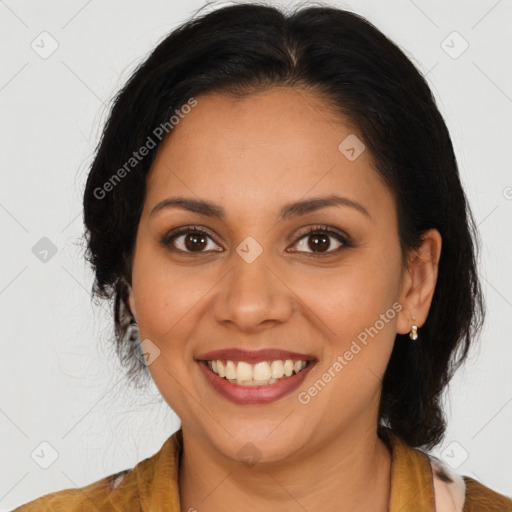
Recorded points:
253,297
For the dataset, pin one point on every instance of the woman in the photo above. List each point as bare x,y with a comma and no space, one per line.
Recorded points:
276,211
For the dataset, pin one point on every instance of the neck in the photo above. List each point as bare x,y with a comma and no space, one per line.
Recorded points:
352,469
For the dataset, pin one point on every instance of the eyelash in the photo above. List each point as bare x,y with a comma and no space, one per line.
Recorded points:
325,230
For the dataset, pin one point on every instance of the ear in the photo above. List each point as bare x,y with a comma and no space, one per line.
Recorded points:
419,282
131,302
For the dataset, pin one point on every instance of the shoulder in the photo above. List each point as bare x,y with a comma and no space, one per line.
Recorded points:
115,492
431,484
92,497
479,497
457,493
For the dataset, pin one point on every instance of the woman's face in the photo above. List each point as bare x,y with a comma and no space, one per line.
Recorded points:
253,281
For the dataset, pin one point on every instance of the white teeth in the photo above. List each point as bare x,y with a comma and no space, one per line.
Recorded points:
277,369
297,366
258,374
230,370
288,367
261,371
243,371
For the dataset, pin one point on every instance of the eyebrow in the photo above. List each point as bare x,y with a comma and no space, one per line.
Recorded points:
288,211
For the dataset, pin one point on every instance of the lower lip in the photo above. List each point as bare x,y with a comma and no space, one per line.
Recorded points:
254,394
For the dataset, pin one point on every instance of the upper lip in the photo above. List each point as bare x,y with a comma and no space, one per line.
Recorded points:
253,356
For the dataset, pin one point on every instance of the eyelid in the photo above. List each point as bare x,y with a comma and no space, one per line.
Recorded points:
175,233
330,231
325,228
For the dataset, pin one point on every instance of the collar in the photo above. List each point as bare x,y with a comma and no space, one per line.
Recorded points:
419,482
411,478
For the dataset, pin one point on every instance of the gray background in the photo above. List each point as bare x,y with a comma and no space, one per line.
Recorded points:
60,380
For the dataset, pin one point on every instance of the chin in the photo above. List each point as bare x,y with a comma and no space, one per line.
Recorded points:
252,445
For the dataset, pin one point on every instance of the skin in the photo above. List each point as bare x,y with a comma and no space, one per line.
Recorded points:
251,156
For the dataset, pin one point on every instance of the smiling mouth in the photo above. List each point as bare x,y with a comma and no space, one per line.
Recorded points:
261,373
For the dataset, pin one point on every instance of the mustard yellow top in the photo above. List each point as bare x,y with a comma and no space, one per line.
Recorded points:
418,484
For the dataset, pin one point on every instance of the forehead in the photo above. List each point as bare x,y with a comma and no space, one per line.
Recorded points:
274,146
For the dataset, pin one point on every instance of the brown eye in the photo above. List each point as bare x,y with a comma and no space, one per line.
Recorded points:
319,241
195,241
189,240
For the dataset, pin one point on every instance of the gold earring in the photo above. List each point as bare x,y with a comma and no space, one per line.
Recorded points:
414,330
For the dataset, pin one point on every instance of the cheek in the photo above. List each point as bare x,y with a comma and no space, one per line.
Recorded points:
163,293
171,300
357,302
359,291
164,299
